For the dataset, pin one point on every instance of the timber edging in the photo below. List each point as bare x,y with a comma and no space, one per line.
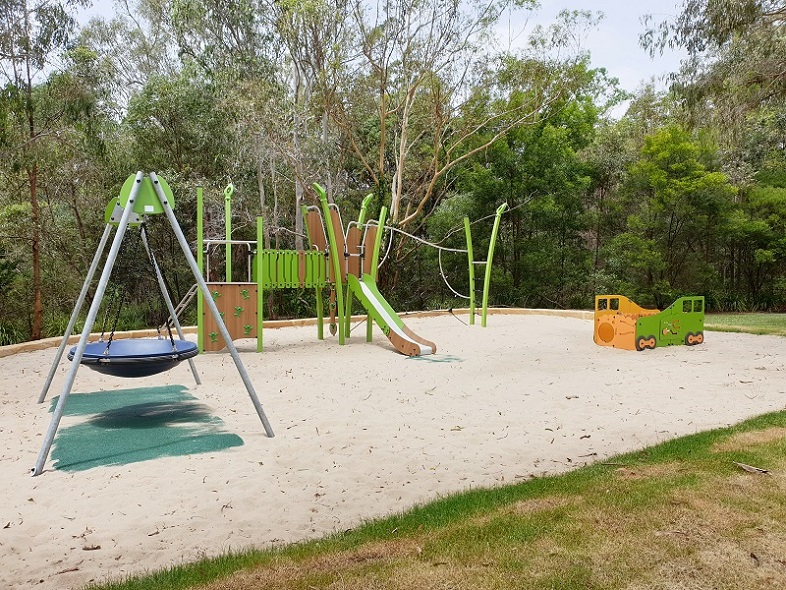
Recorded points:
45,343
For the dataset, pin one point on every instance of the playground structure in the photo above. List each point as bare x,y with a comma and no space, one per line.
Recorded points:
141,196
342,260
620,323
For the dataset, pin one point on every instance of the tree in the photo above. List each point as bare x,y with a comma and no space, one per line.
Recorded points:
426,88
677,206
31,35
736,57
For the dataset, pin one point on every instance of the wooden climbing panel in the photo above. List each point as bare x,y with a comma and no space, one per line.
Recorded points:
237,304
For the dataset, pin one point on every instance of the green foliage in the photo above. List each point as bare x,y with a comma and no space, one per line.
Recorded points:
179,124
684,194
675,208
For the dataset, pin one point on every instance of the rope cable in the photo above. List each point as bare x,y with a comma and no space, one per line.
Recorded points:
445,278
426,242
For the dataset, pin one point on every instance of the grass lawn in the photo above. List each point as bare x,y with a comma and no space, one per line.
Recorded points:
694,512
755,323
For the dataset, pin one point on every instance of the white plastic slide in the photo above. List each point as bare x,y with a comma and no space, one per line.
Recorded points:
405,341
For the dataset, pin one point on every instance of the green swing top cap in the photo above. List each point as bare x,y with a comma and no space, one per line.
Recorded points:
147,202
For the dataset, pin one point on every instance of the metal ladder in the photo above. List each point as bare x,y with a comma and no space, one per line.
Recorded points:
187,298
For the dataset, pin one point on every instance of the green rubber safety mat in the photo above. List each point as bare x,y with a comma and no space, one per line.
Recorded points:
437,358
131,425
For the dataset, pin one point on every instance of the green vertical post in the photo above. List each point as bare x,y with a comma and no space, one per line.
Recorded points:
334,255
228,229
260,295
487,281
200,228
468,233
361,220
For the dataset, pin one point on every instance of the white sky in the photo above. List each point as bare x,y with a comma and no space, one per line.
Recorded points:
614,45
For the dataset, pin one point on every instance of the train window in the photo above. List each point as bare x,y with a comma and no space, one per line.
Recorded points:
698,305
686,306
615,303
603,304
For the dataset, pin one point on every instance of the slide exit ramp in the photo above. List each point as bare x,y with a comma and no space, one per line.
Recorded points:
401,337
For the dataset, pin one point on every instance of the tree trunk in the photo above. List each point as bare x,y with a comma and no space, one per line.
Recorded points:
35,333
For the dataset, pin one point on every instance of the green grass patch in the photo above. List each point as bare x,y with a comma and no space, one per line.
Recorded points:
678,514
754,323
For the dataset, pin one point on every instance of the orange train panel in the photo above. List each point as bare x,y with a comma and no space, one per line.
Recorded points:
238,304
615,321
617,330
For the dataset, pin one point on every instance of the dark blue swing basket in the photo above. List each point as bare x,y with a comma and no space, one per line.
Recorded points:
135,357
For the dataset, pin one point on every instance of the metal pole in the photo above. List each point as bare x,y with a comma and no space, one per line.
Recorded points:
91,316
77,308
228,230
170,307
200,257
211,304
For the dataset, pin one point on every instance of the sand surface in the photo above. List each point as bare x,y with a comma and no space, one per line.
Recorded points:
361,432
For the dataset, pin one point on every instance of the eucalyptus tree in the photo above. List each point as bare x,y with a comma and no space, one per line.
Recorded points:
736,48
427,84
32,35
131,47
734,76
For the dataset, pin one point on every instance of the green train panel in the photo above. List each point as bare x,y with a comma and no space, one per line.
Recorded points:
680,323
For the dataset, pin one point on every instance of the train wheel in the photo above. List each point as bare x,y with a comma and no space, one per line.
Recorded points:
651,342
690,339
641,343
699,337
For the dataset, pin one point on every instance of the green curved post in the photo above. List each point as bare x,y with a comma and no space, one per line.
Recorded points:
383,217
201,265
364,208
334,255
348,311
468,233
487,281
318,289
228,229
383,214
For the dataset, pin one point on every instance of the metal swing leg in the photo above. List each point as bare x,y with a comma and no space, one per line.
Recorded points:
77,309
91,317
208,300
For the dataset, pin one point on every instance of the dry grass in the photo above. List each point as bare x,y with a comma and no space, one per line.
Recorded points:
680,515
743,441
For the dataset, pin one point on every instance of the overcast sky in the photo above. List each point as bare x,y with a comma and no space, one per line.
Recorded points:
614,45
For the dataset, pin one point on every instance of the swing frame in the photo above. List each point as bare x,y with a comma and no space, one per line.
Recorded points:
141,195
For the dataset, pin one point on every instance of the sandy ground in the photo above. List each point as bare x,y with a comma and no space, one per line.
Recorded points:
361,432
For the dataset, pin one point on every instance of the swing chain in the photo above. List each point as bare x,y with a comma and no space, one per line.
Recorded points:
155,272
